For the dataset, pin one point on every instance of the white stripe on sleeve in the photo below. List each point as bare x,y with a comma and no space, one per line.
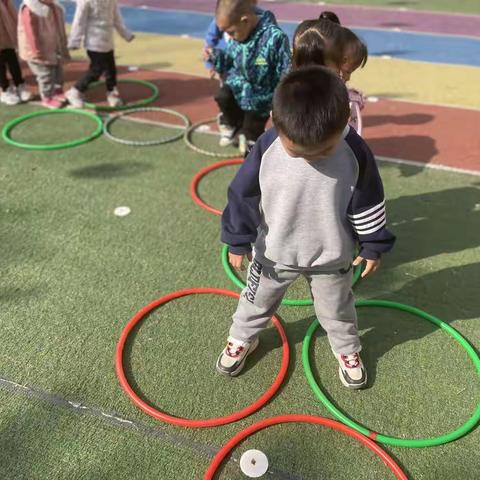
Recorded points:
361,223
374,229
367,212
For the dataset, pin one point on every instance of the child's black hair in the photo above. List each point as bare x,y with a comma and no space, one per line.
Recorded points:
327,15
317,42
355,49
310,105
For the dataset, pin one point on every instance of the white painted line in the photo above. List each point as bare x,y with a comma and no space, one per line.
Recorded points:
432,166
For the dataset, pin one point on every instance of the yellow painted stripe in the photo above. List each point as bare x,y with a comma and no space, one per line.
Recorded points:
397,79
420,82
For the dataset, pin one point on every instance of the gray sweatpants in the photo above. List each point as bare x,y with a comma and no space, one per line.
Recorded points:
332,296
48,77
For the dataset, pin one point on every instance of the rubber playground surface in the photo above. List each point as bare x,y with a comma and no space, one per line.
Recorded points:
73,273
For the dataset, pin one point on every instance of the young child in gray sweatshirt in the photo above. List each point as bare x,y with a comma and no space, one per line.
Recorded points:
306,196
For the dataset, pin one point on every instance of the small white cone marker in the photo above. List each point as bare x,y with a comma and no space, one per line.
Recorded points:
254,463
121,211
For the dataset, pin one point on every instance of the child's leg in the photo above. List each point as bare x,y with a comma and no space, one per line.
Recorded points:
253,125
4,83
266,287
263,294
110,71
95,71
59,78
113,97
45,75
231,113
335,308
14,66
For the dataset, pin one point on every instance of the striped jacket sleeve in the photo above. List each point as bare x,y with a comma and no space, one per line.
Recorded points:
241,216
367,213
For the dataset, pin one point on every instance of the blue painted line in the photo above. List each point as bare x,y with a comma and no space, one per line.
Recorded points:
402,45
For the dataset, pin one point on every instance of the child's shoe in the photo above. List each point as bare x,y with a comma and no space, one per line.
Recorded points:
244,145
114,99
227,133
59,95
75,98
232,359
24,94
51,103
10,96
352,371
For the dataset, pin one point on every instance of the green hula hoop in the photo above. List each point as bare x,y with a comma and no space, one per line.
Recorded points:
140,103
388,440
55,146
286,301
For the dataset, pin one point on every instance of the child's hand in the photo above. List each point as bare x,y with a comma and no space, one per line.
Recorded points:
356,96
207,53
236,261
213,74
371,267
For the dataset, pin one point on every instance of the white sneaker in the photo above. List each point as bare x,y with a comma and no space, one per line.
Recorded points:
351,371
232,359
114,99
227,133
10,96
75,98
244,145
24,93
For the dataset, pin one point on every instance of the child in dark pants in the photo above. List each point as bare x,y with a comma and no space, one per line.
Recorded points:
254,60
16,93
94,23
306,196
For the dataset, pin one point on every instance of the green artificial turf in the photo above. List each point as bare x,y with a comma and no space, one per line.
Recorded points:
73,274
463,6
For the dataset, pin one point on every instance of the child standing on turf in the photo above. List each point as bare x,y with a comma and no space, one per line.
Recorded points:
254,60
94,24
306,195
16,93
42,43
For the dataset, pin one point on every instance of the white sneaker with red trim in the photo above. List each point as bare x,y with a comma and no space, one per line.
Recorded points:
232,359
352,371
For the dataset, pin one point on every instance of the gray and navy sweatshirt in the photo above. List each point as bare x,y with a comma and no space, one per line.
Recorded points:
311,215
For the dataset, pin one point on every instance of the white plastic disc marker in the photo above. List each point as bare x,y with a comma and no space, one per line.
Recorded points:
254,463
121,211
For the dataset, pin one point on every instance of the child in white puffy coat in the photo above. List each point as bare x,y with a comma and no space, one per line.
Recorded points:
94,24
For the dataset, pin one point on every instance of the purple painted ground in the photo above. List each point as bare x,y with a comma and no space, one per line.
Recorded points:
365,17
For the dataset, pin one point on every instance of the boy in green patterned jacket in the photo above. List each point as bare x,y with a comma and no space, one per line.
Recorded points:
256,57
